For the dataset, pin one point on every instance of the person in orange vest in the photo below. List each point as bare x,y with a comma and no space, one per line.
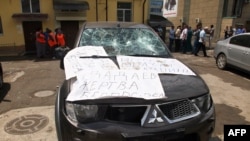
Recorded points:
40,43
51,42
60,38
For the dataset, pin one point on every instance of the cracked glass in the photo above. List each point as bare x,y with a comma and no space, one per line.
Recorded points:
124,41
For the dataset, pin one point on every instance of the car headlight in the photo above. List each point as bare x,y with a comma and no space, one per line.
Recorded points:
81,113
204,103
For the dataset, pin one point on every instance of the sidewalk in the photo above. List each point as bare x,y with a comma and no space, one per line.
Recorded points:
11,51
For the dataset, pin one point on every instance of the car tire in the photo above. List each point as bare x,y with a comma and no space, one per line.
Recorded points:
221,61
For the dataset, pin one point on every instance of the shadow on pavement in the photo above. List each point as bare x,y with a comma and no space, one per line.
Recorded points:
24,57
227,115
4,91
239,72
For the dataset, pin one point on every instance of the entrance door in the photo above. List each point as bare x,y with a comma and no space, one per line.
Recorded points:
29,30
70,30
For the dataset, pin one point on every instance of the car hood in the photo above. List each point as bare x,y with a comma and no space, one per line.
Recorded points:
133,79
183,86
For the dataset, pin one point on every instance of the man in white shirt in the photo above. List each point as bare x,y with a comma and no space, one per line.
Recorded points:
184,39
202,42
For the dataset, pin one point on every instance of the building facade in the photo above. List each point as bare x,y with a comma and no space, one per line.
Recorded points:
19,19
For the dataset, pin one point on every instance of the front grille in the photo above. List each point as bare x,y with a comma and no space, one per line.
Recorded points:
178,110
131,114
173,111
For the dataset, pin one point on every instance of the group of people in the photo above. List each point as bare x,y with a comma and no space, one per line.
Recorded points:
230,31
48,41
180,39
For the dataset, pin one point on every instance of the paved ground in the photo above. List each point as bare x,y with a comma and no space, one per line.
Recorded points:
28,124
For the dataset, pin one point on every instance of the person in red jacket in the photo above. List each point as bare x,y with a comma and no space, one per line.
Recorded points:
40,43
60,38
51,42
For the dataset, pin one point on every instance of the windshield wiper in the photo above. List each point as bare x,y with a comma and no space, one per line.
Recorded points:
147,55
97,56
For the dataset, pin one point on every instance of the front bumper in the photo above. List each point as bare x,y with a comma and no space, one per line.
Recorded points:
198,128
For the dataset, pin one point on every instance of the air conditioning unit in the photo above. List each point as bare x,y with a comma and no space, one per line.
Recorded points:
181,20
197,20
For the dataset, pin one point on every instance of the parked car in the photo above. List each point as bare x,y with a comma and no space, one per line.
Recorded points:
1,75
233,52
122,83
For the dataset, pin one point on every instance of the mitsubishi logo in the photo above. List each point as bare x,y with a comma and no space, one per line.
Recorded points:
153,117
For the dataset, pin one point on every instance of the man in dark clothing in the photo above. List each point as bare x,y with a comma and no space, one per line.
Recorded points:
202,42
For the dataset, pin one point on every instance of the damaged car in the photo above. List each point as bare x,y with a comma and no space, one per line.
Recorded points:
123,84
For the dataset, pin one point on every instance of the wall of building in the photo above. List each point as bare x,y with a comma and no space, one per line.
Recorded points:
12,29
47,7
103,10
208,12
107,9
245,16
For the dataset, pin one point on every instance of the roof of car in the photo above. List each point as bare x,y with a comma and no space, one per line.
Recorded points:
104,24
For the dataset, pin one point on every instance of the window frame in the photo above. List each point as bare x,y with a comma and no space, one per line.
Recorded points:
33,8
232,8
124,12
240,40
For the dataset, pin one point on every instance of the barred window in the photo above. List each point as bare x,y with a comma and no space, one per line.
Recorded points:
31,6
124,11
232,8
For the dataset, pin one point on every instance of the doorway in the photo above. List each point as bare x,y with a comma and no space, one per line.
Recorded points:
70,30
29,31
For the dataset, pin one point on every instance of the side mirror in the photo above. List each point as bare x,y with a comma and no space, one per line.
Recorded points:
60,54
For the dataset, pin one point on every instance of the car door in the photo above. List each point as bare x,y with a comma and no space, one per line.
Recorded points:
246,54
236,49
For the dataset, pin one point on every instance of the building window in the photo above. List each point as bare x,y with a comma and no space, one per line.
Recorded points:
232,8
30,6
124,12
156,7
1,27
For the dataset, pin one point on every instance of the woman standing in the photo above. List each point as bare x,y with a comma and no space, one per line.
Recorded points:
40,43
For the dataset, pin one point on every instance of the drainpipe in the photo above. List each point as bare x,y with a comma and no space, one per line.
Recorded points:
96,5
106,10
143,13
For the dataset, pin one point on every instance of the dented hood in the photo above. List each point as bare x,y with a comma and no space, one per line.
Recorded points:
123,78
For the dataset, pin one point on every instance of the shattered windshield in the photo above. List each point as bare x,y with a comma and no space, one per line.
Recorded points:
124,41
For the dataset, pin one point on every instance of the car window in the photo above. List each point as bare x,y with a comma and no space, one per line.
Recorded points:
124,41
241,40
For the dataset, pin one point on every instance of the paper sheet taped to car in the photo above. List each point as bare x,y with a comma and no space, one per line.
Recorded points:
94,58
159,65
116,83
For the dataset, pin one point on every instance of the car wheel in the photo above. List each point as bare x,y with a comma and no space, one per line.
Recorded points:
221,61
1,81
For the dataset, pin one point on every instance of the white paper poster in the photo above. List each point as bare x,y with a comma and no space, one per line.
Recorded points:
80,59
116,83
159,65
